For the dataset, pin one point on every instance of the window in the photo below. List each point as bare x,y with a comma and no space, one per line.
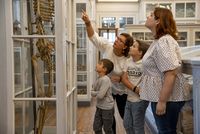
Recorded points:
125,20
150,7
185,10
108,22
79,8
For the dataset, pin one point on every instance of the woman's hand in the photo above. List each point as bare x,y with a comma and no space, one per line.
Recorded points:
161,108
85,17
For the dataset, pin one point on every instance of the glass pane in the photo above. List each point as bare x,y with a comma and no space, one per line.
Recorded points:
150,8
182,35
22,62
197,38
34,58
108,22
122,21
30,17
79,8
149,36
81,62
197,42
27,114
138,35
190,9
197,35
180,10
182,43
166,5
129,20
81,36
24,119
82,89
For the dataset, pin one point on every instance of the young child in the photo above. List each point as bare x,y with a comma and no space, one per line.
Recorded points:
102,90
135,107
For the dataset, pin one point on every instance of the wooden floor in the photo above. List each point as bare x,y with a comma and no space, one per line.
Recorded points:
85,120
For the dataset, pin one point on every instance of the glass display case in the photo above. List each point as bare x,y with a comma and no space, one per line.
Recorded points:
183,37
85,61
145,36
197,37
185,10
43,92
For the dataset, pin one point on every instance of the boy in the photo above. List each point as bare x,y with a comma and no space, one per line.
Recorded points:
102,90
135,107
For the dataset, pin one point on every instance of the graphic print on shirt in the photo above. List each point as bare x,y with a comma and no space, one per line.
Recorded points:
134,72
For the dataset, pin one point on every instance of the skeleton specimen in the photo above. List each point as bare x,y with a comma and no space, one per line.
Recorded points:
44,12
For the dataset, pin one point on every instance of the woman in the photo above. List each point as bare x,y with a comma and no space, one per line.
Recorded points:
162,81
117,53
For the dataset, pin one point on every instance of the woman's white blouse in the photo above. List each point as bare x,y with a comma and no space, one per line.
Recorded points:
162,55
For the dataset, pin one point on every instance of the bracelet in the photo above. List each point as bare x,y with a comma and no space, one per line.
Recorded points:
134,88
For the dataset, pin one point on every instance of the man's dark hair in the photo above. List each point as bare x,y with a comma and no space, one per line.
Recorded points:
108,64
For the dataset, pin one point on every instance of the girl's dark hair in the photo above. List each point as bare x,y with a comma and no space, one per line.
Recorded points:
167,24
128,43
142,46
108,64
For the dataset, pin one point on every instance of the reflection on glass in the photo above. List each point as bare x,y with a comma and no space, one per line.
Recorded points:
150,8
182,43
197,42
122,21
82,90
197,35
180,10
182,35
138,35
166,5
32,17
22,65
44,61
108,22
190,9
81,62
79,8
24,117
197,38
129,20
81,36
149,36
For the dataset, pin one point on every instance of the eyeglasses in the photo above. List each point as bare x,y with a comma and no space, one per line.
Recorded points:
119,39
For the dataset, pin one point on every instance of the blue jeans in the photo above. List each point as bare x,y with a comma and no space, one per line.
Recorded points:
166,124
134,117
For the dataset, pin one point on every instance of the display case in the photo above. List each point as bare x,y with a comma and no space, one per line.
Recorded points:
40,60
85,54
197,37
183,37
188,35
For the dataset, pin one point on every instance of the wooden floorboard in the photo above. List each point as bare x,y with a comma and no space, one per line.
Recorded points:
85,119
85,116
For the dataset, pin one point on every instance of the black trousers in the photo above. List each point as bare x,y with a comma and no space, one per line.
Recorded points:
121,103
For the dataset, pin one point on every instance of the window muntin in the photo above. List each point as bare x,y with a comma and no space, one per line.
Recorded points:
185,10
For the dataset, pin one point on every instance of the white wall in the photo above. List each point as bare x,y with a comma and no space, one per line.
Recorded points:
126,9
